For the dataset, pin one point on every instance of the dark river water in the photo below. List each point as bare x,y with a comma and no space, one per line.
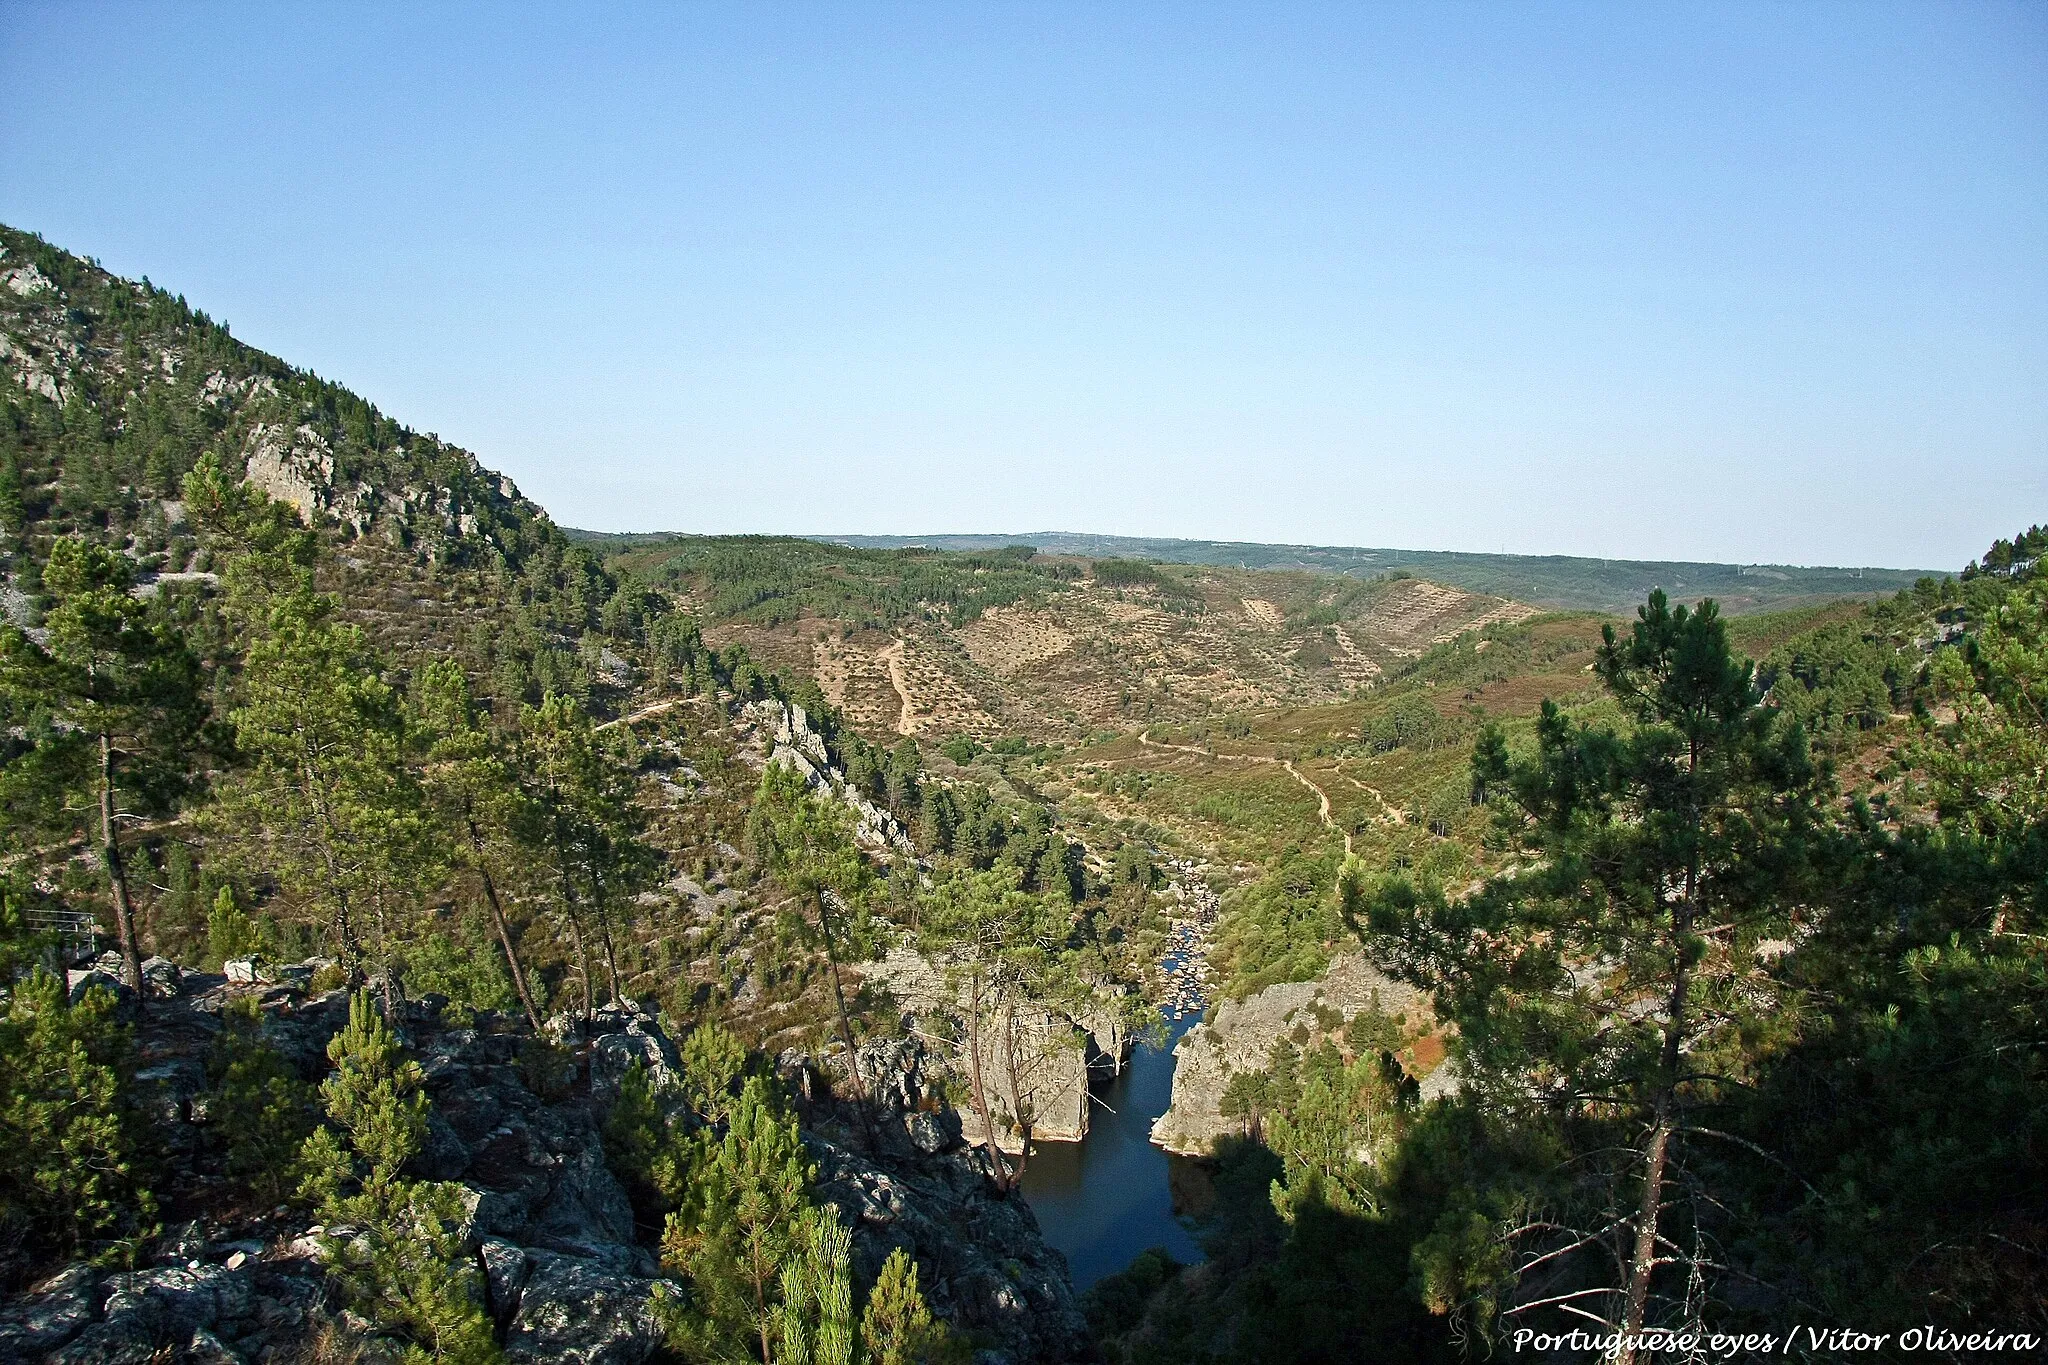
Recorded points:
1104,1200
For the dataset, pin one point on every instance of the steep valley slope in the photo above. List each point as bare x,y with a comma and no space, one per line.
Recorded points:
1149,740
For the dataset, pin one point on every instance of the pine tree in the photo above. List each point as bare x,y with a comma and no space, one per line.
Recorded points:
472,790
229,933
1616,973
713,1060
807,843
406,1266
1338,1125
738,1224
258,1103
75,1180
579,816
997,945
122,692
814,1321
897,1328
327,805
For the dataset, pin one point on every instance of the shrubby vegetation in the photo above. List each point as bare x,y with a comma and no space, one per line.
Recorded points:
765,1265
1738,1042
771,579
398,1251
261,1109
76,1181
1741,963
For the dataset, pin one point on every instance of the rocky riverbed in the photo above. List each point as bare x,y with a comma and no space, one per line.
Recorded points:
1184,964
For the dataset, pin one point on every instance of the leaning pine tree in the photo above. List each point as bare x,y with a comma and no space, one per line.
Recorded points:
1614,983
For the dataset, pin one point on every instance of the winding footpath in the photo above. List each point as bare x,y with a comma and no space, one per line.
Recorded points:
906,722
1322,797
1393,815
644,712
1322,803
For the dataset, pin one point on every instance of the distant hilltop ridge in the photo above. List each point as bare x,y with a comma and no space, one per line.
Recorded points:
1560,582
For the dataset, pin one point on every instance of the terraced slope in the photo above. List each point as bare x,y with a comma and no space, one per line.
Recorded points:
1562,582
938,645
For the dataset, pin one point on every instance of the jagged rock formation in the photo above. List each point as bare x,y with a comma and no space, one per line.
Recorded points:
1241,1038
906,1177
784,731
1055,1056
552,1227
567,1276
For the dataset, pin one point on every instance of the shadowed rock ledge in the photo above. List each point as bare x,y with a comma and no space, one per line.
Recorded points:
551,1230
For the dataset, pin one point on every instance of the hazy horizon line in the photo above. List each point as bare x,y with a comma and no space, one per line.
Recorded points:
1029,537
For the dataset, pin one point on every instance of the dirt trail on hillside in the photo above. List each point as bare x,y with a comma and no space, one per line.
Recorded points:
644,712
906,723
1394,815
1322,797
1322,802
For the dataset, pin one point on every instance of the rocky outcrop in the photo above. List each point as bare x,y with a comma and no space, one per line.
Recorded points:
983,1265
210,1308
568,1280
1052,1056
566,1273
785,730
1241,1038
903,1175
295,466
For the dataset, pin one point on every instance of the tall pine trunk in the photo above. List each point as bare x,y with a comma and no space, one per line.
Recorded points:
1017,1108
604,938
498,922
860,1089
117,876
576,933
1664,1121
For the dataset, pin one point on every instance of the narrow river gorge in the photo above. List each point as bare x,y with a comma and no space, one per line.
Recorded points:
1104,1199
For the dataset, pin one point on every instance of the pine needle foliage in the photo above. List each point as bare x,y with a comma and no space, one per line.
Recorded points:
74,1182
258,1104
396,1247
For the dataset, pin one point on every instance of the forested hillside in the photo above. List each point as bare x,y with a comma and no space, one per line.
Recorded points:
1740,971
357,826
426,934
1561,582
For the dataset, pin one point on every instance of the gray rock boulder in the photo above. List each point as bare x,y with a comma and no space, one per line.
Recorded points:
983,1265
1241,1038
50,1314
162,976
631,1037
505,1268
574,1310
82,981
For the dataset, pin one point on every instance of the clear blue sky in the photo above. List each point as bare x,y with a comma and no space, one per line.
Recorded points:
1743,282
